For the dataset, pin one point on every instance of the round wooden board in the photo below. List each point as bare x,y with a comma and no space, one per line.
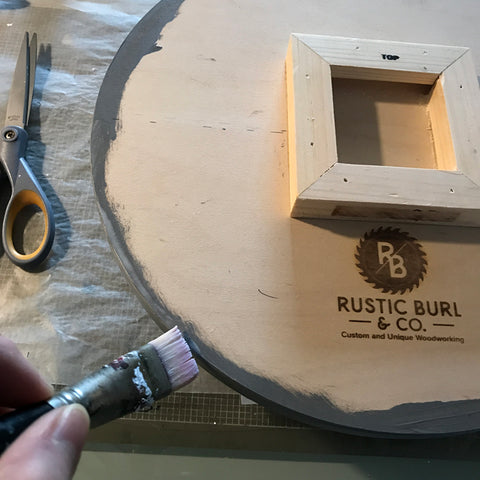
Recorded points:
190,164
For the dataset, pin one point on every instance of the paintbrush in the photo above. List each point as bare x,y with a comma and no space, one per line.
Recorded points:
131,383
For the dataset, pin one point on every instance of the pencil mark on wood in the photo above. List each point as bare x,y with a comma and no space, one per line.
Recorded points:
266,294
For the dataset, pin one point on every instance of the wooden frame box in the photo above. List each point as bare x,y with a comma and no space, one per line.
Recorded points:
383,130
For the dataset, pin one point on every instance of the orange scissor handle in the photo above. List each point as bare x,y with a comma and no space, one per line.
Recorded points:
19,201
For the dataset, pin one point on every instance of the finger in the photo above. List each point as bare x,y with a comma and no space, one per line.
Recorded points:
21,383
50,448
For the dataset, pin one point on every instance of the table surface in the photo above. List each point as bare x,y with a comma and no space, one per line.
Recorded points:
80,310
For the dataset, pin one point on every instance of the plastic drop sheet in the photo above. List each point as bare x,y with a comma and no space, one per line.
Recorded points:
79,312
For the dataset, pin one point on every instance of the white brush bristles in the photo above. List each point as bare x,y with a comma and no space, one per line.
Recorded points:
176,357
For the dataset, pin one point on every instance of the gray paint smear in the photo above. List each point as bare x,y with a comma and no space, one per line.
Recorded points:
141,41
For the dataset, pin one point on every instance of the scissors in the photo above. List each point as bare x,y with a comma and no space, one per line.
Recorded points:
25,189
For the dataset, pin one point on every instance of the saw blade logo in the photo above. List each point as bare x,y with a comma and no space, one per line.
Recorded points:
391,260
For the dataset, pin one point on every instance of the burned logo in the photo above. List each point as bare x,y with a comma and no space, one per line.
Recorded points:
391,260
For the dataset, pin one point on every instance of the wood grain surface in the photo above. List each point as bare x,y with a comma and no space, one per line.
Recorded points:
190,162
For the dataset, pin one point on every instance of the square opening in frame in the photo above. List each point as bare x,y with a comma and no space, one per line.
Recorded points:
390,123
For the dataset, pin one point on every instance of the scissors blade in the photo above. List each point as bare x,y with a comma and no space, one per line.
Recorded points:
31,71
21,93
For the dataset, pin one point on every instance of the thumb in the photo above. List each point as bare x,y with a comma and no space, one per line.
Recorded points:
50,448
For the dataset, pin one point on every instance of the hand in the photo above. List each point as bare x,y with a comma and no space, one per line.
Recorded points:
50,448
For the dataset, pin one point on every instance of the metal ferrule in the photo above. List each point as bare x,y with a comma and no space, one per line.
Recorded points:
130,383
